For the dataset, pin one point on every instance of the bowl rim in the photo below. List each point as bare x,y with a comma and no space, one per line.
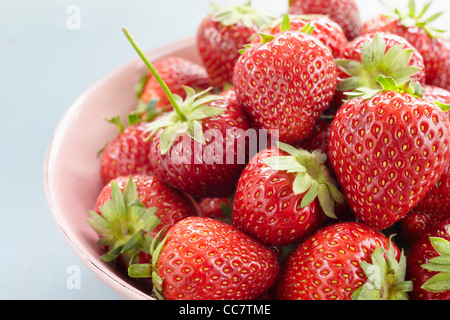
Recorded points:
112,280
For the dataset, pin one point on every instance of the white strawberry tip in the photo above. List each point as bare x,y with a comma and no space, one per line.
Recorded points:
385,277
124,224
313,178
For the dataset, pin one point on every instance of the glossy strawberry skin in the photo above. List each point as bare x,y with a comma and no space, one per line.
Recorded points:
344,12
326,266
126,154
421,252
286,84
354,49
438,64
205,259
324,29
176,73
219,46
388,152
416,36
212,207
266,208
172,205
416,222
193,169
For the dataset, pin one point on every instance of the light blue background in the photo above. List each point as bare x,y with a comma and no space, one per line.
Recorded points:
44,67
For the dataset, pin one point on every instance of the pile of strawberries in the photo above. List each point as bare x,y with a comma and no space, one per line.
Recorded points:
307,157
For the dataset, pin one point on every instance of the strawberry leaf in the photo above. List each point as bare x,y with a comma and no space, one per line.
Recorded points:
440,282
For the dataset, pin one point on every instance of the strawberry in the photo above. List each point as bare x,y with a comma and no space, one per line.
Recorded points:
322,27
206,259
222,34
388,148
344,261
372,55
428,264
282,195
131,210
127,154
416,28
286,83
438,64
216,208
201,146
176,72
415,223
343,12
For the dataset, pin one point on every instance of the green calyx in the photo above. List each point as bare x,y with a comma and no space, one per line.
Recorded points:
414,17
312,177
385,277
124,224
246,14
389,84
187,113
150,270
376,61
440,264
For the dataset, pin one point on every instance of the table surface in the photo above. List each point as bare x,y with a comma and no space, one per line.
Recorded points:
48,58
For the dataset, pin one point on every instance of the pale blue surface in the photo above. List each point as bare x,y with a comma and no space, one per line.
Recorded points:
44,67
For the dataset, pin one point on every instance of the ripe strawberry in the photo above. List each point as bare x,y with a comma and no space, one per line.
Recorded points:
286,83
282,195
388,148
206,259
126,154
344,261
321,27
343,12
415,223
201,146
428,264
437,94
372,55
438,64
216,208
176,72
130,210
416,28
222,34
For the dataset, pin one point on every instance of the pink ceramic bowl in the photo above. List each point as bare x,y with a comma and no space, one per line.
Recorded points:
72,180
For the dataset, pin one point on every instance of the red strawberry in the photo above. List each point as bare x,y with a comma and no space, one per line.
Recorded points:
286,84
415,27
438,64
419,220
344,12
372,55
201,146
131,209
282,195
344,261
428,264
176,72
216,208
438,94
322,27
126,154
222,34
206,259
388,149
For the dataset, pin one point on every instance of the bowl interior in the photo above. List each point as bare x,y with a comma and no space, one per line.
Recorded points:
71,174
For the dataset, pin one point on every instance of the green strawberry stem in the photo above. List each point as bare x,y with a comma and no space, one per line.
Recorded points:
155,74
312,177
385,277
440,282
